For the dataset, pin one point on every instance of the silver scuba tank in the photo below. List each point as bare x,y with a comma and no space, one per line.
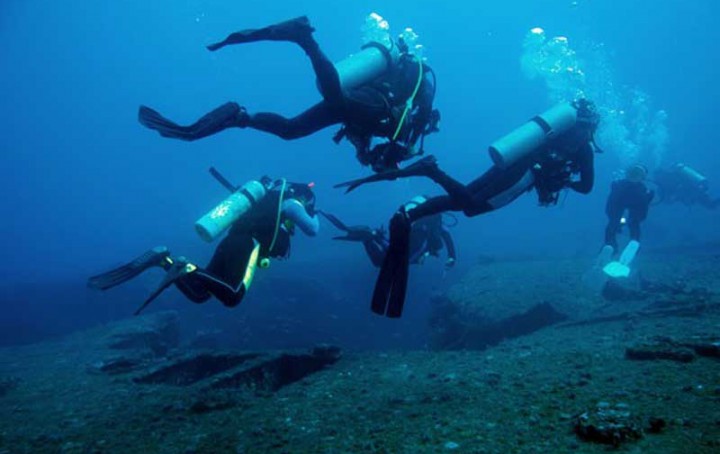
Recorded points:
227,212
533,134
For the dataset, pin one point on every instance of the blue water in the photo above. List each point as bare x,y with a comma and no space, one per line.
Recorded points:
85,187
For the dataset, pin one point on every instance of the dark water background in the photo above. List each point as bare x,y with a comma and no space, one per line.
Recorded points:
85,187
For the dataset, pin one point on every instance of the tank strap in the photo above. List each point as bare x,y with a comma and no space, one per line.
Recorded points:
544,125
279,215
383,50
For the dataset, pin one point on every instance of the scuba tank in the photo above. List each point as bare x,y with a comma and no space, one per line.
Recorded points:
533,134
370,63
224,215
377,55
414,202
691,175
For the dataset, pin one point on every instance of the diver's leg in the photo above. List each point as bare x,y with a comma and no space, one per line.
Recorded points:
635,217
229,115
155,257
496,188
318,117
611,231
299,31
614,211
433,206
231,269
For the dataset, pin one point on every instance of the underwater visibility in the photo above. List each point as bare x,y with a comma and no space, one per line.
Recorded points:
400,227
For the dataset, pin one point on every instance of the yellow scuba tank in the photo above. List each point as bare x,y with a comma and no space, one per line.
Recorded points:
691,175
533,134
220,218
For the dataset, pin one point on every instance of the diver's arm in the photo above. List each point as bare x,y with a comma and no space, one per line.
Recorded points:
376,251
587,171
295,211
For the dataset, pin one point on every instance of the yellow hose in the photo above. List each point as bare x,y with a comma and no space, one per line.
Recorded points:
410,100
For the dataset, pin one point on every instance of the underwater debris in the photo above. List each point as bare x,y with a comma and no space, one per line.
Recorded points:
280,371
608,424
682,351
260,372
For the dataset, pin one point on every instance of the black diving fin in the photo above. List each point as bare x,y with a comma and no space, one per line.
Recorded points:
178,269
154,257
421,167
391,286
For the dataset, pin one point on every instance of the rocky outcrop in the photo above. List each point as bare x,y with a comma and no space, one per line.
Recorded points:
503,300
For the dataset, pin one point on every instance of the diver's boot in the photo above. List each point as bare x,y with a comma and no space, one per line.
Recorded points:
424,167
176,269
296,30
359,233
157,256
229,115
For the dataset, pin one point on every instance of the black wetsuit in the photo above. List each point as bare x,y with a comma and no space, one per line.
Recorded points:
630,196
427,237
548,171
223,276
371,110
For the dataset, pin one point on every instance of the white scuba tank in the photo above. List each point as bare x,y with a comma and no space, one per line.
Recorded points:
371,62
366,65
533,134
220,218
692,175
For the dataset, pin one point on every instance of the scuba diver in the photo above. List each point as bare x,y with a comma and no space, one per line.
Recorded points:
261,217
630,195
681,183
551,152
383,92
427,237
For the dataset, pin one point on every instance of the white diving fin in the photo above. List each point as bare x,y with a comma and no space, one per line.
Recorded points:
595,278
621,268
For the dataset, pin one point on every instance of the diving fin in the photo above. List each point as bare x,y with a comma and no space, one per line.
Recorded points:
391,286
621,267
223,117
422,167
354,184
154,257
355,233
595,279
179,268
296,30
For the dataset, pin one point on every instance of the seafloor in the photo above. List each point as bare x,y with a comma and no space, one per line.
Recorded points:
644,371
